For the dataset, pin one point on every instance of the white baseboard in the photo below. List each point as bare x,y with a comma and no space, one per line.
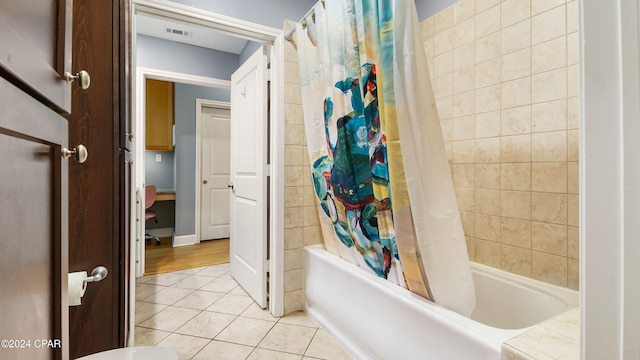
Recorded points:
184,240
161,232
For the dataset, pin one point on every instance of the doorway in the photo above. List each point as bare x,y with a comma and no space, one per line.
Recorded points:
261,34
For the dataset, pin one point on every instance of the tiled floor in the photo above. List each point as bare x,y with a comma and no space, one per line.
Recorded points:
204,314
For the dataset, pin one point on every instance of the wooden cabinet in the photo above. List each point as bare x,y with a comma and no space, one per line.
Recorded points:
159,115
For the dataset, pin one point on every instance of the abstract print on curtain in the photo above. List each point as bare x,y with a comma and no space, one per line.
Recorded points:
348,65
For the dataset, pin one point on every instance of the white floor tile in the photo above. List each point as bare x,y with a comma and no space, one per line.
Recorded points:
145,310
148,337
288,338
199,300
170,319
206,324
254,311
264,354
168,296
298,318
185,346
220,285
194,282
324,347
219,350
146,290
231,304
245,331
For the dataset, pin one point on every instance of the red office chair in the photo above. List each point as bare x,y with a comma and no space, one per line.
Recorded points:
149,199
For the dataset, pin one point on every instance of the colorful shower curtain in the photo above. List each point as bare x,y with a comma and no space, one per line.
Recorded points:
384,190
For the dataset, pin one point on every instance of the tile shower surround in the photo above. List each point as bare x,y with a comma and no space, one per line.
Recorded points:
505,78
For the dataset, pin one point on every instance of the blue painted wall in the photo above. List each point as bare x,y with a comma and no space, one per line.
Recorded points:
185,152
167,55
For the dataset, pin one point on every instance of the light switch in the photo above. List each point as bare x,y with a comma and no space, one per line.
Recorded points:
158,157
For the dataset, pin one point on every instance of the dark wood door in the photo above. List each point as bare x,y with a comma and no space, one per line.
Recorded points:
34,55
97,196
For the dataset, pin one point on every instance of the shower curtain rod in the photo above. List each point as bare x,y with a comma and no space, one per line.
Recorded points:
289,34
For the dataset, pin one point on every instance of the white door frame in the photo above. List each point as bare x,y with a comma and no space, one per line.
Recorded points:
251,31
201,103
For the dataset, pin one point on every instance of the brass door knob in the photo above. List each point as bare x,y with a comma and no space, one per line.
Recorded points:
79,153
82,79
204,182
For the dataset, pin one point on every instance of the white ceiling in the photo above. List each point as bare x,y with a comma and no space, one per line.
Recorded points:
198,35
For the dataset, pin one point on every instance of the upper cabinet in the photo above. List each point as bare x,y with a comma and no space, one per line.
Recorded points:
159,115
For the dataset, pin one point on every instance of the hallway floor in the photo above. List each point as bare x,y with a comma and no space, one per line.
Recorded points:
204,314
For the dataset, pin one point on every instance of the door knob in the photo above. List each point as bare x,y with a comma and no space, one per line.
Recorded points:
79,153
97,274
81,79
204,182
230,186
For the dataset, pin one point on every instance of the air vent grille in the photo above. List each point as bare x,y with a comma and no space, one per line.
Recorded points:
178,32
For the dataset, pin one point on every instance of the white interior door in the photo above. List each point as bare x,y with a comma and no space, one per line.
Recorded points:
214,169
248,179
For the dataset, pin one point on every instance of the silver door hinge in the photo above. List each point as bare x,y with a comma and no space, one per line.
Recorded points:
267,265
267,170
267,74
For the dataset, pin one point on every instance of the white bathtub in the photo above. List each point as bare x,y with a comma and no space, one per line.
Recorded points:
375,319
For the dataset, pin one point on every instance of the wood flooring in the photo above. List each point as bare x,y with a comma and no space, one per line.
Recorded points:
166,258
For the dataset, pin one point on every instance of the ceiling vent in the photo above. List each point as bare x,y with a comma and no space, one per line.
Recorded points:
178,32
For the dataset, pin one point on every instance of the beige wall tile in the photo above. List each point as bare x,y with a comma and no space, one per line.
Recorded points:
487,227
443,87
464,33
516,176
293,259
443,20
293,114
574,274
428,49
516,260
293,217
482,5
488,99
488,47
468,223
487,150
514,11
539,6
488,73
487,176
573,81
309,196
488,125
549,208
463,80
548,25
573,186
311,216
294,134
549,177
488,21
516,37
515,148
516,204
516,232
573,114
516,93
293,238
293,301
447,129
292,92
573,144
443,42
572,16
549,146
573,49
464,56
549,86
549,55
426,28
488,253
291,73
516,64
463,152
443,64
573,210
549,116
293,175
466,199
549,268
293,280
445,107
464,104
549,238
463,175
487,202
573,242
312,235
463,9
293,196
293,155
516,121
471,246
